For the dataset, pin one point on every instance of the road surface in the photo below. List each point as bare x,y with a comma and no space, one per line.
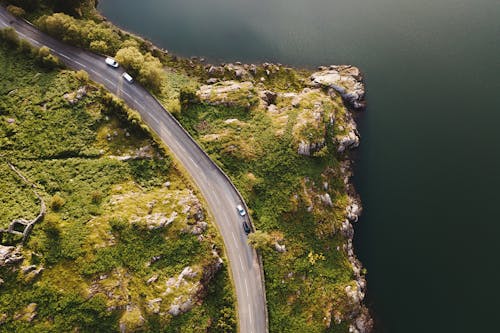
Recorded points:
220,194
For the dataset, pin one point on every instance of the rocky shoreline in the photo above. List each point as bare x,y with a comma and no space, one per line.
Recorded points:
243,85
348,82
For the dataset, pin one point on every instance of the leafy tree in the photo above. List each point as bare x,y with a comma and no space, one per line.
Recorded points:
82,76
10,36
130,58
151,74
16,11
99,46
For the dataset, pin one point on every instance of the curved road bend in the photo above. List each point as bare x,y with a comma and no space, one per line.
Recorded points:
218,191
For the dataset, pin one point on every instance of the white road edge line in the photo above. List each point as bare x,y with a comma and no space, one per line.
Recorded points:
246,288
64,56
251,315
241,264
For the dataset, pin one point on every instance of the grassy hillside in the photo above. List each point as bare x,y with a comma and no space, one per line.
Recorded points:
122,226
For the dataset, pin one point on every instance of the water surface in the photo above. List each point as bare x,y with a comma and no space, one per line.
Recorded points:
428,168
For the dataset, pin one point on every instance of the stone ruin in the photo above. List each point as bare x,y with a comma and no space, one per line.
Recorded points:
21,226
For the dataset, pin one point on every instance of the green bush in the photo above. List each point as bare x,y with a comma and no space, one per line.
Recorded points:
80,33
82,76
57,202
10,36
16,11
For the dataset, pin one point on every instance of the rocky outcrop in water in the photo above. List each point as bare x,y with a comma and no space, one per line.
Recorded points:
344,79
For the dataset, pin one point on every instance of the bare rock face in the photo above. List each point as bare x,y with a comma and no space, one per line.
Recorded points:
279,248
349,138
28,313
159,220
326,200
154,305
228,93
9,255
346,80
268,96
180,305
216,70
74,97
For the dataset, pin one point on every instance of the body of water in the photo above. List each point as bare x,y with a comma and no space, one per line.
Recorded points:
428,169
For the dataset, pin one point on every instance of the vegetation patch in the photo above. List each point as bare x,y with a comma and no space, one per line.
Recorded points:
121,222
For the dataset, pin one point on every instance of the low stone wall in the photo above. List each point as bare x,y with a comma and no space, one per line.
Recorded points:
26,226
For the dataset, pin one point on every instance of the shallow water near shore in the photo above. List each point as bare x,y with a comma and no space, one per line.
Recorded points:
428,167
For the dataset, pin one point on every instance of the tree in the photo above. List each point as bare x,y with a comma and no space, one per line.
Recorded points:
99,46
16,11
152,75
131,58
10,35
82,76
147,67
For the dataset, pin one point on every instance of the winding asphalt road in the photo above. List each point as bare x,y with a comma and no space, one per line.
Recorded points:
220,194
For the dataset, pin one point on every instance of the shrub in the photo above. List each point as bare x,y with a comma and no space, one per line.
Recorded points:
96,196
25,47
16,11
46,59
51,226
57,202
10,36
131,58
187,96
99,46
82,76
82,33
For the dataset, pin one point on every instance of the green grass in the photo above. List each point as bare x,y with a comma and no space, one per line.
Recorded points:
275,193
95,249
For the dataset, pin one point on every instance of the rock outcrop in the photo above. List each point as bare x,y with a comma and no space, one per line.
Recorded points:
196,290
310,129
346,80
228,93
347,137
10,255
74,97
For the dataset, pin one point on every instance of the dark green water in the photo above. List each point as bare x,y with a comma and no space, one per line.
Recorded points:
429,167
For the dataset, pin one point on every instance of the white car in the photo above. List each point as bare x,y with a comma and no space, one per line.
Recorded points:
241,210
111,62
127,77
